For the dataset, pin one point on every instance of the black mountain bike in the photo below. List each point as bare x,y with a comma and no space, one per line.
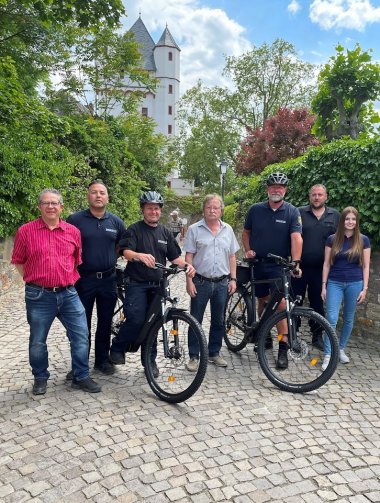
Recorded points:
304,372
165,332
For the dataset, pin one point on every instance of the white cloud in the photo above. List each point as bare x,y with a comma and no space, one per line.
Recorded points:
203,34
294,7
349,14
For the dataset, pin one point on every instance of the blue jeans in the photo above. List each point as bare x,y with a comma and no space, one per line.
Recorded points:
337,292
216,293
104,292
41,309
138,297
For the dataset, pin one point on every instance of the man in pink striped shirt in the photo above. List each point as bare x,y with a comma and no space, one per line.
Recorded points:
46,253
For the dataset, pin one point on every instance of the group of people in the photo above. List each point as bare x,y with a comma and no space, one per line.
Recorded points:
68,266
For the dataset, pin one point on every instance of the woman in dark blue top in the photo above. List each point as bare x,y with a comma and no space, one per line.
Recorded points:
345,277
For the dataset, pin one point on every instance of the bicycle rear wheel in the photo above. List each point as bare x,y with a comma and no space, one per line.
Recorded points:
175,383
304,372
238,316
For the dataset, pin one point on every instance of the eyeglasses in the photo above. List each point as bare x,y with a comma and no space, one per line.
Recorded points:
49,203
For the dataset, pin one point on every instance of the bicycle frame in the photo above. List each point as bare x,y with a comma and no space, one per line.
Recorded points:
273,302
158,308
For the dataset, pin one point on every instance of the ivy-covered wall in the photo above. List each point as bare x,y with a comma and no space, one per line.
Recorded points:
350,169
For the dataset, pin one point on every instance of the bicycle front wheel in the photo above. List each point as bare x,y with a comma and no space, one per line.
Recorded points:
304,372
238,316
174,383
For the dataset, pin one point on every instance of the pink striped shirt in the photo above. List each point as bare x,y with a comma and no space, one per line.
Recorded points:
50,257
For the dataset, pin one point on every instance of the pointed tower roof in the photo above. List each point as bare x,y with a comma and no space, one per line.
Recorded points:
167,40
146,44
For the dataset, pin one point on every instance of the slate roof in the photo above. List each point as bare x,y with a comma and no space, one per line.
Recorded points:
167,40
146,44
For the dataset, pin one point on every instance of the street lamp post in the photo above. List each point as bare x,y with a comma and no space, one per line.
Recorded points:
223,170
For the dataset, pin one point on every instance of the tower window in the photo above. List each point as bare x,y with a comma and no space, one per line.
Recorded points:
170,110
170,89
144,111
170,56
170,129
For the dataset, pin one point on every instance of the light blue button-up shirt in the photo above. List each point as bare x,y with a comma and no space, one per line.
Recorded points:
211,252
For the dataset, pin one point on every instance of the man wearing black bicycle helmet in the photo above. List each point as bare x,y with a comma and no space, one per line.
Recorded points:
152,197
273,226
277,178
144,243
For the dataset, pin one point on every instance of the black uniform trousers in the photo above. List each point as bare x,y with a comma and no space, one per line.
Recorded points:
310,282
103,291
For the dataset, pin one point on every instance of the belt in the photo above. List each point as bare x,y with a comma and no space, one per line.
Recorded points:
212,280
49,288
97,275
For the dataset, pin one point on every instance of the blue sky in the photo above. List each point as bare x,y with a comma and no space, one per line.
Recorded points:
206,30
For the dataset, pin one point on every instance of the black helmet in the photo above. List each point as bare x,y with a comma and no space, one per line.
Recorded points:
277,179
152,197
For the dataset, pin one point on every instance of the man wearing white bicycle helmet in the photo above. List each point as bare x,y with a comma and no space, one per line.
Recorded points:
273,226
144,243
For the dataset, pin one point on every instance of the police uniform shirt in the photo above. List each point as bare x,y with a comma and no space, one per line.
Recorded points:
157,241
270,230
315,233
99,239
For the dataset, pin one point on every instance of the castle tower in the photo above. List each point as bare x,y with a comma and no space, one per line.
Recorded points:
162,61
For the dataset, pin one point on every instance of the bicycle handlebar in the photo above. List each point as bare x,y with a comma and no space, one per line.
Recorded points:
271,257
172,269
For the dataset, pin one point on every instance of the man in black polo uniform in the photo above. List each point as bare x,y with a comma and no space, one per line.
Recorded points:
100,231
273,226
146,242
318,222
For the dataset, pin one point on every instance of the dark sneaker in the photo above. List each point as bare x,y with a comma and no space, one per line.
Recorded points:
317,342
117,357
106,368
268,343
88,385
69,376
39,386
282,358
155,370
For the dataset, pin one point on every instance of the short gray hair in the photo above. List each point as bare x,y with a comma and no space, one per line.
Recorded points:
209,197
50,191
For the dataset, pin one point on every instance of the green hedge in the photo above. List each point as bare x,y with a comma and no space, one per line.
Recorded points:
350,169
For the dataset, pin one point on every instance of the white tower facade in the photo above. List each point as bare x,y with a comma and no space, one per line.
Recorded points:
162,61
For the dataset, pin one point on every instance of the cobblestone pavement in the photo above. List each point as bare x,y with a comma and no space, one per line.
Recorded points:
237,439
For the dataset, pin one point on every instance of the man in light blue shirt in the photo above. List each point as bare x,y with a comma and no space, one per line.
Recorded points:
210,246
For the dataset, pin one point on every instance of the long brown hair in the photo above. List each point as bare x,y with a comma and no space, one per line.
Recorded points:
356,250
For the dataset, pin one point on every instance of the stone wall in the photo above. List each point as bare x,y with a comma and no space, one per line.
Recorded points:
368,315
9,277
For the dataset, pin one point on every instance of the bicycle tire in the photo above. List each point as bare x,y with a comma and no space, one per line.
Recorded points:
304,372
238,315
175,383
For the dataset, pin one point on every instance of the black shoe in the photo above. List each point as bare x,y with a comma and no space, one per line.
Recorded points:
117,357
105,367
155,370
282,358
268,343
317,342
87,384
39,386
69,376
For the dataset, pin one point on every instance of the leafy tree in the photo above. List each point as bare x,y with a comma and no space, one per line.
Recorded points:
284,136
346,84
94,72
213,121
31,32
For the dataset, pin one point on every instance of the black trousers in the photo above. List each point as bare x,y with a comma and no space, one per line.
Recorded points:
310,283
103,292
